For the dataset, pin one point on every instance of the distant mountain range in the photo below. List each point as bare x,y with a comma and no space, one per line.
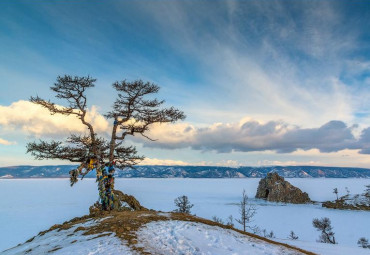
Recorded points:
60,171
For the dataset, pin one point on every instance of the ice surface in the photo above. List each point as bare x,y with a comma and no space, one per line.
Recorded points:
327,249
32,205
189,238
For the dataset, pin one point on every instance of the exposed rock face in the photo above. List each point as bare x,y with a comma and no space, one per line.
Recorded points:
274,188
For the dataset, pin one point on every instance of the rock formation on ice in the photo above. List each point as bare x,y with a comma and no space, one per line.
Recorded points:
275,189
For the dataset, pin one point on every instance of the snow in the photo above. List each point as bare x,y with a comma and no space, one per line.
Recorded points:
29,206
240,175
7,176
71,242
168,215
189,238
357,199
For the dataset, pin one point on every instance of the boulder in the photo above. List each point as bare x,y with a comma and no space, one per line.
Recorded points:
275,189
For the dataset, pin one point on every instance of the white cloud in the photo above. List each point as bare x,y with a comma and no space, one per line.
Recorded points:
165,162
5,142
289,163
34,120
224,162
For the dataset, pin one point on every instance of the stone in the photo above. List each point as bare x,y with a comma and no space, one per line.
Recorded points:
275,189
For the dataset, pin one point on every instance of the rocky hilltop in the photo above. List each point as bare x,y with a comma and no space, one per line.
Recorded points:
275,189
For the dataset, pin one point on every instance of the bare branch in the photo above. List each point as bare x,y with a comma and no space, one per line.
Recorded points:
53,109
126,156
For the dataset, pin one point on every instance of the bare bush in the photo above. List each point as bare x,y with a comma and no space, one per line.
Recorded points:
230,221
292,236
183,204
268,234
218,220
363,242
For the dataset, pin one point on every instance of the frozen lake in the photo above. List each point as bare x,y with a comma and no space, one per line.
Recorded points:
32,205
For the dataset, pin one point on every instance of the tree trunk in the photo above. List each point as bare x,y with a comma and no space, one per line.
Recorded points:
113,141
105,181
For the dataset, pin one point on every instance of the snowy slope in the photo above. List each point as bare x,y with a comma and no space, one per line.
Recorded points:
159,233
71,242
181,237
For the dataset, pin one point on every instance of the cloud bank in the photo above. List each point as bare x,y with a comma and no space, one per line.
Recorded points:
248,135
251,135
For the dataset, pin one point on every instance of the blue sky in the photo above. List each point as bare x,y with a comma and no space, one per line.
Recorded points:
261,82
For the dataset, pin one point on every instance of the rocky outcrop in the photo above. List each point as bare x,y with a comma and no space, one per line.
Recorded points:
275,189
350,202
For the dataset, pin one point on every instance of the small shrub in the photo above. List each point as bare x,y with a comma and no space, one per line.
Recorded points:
363,242
217,219
230,221
268,234
183,204
292,236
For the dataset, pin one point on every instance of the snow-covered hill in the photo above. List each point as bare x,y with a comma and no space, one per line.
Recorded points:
151,232
147,232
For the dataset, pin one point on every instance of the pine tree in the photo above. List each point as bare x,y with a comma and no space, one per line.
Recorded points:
133,112
324,225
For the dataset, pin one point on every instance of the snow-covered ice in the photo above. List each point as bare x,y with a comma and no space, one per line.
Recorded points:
189,238
327,249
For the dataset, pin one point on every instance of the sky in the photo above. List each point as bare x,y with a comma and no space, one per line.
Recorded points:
261,82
